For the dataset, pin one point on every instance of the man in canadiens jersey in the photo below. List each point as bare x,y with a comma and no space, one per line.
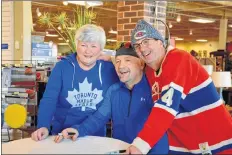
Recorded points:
187,104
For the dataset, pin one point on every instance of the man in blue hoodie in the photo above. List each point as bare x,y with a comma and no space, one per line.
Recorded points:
76,87
128,103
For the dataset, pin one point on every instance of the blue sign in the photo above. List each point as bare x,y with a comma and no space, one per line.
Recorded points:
4,46
41,49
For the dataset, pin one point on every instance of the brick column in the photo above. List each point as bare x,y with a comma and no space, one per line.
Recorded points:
129,12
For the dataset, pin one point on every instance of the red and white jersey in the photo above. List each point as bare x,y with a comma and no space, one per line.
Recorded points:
187,106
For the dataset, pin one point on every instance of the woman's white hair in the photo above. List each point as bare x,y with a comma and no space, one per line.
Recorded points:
91,33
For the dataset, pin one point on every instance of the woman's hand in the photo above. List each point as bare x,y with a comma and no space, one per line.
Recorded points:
40,134
66,134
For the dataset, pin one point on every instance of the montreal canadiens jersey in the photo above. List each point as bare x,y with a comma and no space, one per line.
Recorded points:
187,106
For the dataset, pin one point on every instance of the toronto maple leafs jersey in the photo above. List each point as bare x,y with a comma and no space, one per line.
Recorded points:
188,106
72,94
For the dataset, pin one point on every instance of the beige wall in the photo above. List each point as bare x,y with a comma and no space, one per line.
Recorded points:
22,30
7,31
18,29
209,46
196,46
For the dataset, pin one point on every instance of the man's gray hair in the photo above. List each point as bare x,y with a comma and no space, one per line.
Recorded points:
91,33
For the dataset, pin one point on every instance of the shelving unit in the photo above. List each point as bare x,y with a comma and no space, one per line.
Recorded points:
19,86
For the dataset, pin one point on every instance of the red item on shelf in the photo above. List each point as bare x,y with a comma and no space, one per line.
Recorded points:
31,93
28,71
38,76
24,83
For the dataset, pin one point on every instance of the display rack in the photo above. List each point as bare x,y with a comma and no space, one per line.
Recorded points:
19,86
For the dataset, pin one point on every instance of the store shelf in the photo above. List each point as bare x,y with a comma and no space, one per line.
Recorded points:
20,87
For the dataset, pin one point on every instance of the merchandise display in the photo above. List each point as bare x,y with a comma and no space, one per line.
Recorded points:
19,99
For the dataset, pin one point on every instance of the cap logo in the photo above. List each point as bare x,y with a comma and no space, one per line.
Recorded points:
140,34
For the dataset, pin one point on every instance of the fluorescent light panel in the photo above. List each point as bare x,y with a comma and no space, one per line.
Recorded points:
89,3
51,35
201,20
113,32
201,40
179,38
112,40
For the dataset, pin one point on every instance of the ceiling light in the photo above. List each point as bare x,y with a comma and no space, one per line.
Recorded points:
77,2
93,3
170,25
67,41
59,28
38,12
113,32
111,40
201,40
65,2
178,19
201,20
190,32
46,32
51,35
87,3
179,38
60,39
230,25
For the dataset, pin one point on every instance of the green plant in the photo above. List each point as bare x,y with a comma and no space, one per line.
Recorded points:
68,25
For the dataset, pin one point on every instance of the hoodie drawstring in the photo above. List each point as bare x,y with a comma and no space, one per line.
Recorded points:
99,73
74,68
73,74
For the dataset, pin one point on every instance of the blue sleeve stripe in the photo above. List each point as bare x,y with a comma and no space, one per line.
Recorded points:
200,110
168,109
209,95
202,85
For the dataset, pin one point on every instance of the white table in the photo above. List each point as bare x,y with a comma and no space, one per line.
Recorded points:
83,145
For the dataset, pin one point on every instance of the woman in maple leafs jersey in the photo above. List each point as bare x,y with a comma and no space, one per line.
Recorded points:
76,87
187,105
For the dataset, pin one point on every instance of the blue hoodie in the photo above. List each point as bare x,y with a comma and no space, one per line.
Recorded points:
73,94
129,111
